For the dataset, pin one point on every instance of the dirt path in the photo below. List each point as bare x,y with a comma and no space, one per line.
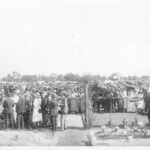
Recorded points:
74,120
72,138
75,135
26,138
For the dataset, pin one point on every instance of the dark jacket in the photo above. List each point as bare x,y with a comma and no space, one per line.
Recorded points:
53,108
28,105
44,103
8,106
21,105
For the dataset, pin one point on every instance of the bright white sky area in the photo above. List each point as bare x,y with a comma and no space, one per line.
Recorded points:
60,36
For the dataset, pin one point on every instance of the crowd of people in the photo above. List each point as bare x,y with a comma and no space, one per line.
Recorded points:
117,99
36,105
32,105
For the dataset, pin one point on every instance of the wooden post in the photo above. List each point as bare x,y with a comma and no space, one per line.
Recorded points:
86,107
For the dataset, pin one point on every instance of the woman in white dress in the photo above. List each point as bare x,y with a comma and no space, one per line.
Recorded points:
15,99
37,115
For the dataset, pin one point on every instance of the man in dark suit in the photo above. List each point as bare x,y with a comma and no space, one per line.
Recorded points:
63,111
44,103
21,109
53,105
28,113
8,110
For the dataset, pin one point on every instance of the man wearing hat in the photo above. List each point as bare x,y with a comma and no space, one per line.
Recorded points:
8,110
53,104
64,110
44,102
20,109
28,113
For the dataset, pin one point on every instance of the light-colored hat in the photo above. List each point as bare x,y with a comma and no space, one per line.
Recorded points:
17,91
27,94
44,93
37,95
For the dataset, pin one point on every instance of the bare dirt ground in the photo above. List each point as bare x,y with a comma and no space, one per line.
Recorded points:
75,135
42,137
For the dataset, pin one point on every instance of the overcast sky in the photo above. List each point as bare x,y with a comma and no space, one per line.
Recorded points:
60,36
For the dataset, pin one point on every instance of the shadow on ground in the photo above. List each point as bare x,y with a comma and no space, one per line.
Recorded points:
86,143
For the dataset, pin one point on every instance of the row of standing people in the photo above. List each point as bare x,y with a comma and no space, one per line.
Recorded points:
33,109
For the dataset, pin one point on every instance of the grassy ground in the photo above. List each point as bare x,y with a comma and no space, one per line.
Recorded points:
117,118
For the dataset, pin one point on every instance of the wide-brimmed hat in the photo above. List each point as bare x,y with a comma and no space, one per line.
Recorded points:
17,91
44,93
27,94
37,95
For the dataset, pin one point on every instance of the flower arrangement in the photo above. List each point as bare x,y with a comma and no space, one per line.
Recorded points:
125,123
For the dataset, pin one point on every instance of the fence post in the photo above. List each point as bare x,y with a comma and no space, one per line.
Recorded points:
86,106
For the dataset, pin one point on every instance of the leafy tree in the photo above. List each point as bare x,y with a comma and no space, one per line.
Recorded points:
29,78
16,76
145,77
114,76
86,78
52,77
60,77
43,78
72,77
9,78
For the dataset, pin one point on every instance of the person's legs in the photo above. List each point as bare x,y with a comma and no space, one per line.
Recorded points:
12,120
22,121
52,122
15,115
62,121
25,119
43,116
149,116
55,124
65,126
7,121
18,121
28,120
9,118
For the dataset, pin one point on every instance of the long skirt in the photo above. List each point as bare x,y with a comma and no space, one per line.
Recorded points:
37,117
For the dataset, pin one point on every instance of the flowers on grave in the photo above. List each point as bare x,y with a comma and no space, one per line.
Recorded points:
103,127
141,124
136,122
117,128
125,123
92,138
135,128
109,124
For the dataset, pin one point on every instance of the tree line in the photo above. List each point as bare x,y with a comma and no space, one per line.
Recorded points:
15,76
